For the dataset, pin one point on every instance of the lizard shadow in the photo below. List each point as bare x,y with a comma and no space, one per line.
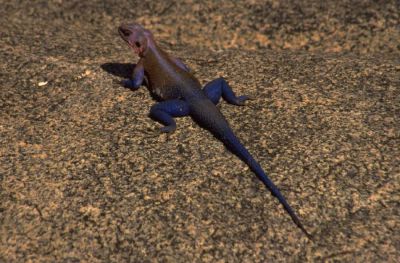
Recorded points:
122,70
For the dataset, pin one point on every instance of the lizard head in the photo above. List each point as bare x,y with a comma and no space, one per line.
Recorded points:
137,37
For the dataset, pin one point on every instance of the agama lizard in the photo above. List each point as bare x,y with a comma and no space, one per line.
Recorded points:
180,94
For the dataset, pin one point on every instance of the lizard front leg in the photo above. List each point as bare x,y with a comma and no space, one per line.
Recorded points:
218,88
180,64
137,78
165,111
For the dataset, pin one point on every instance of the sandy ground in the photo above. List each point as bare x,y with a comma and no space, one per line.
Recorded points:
85,175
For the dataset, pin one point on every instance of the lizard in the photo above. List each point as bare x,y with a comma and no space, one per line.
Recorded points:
180,94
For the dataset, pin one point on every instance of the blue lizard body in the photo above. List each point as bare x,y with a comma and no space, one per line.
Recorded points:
181,94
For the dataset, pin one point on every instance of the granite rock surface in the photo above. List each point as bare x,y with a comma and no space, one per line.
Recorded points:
85,175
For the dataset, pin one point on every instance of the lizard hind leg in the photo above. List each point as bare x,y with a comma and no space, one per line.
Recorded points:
218,88
165,111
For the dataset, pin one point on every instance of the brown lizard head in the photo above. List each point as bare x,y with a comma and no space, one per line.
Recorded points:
137,37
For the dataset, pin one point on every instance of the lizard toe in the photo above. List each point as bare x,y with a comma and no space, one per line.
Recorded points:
241,100
168,129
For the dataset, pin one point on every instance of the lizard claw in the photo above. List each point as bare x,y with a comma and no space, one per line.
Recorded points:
241,100
168,129
129,83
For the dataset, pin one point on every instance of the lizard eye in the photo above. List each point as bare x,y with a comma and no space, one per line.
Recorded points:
137,43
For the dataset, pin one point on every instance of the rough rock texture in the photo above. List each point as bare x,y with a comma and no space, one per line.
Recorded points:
86,176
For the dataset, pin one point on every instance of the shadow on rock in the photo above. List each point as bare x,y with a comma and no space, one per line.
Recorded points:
123,70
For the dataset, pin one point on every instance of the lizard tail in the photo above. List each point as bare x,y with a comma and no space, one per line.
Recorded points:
235,146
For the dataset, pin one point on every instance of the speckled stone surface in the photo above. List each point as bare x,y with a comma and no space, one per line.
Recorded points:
86,176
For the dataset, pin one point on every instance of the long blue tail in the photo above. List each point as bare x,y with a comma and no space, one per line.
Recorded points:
236,147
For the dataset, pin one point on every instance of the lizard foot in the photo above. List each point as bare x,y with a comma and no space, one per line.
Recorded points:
129,83
242,99
168,129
